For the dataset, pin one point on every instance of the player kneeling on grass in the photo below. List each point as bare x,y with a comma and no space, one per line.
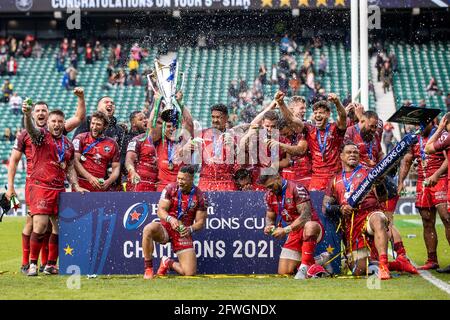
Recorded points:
182,211
364,227
290,202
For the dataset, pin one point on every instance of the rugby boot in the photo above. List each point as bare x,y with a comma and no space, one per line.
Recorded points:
383,272
164,266
51,269
148,273
429,265
406,265
444,270
32,270
302,272
24,268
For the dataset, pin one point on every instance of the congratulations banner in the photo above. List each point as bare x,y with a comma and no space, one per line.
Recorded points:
101,233
127,5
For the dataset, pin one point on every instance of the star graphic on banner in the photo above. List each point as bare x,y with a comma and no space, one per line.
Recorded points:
135,216
321,3
339,3
266,3
330,249
303,3
68,250
286,3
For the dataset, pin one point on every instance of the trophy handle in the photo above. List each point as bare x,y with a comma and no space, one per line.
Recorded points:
149,79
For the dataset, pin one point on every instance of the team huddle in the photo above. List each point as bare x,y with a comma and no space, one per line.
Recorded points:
279,152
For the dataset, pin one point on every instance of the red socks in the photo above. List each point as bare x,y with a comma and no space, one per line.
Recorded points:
399,248
44,249
308,247
25,249
36,240
383,259
52,249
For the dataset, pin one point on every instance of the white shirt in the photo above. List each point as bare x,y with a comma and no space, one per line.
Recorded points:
15,102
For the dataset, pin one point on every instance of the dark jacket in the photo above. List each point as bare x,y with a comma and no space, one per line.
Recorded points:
123,152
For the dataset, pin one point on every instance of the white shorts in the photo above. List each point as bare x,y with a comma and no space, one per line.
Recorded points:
368,228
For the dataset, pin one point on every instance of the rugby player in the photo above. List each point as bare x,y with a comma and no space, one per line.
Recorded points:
52,163
291,202
440,141
182,211
22,146
322,139
94,154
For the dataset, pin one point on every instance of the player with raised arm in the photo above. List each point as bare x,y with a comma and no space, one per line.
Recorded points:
23,146
431,191
322,139
260,144
169,146
440,141
52,163
181,211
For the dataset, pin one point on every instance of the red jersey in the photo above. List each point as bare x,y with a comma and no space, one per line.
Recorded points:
163,148
329,163
337,189
432,162
196,202
301,165
23,144
295,194
367,150
48,170
217,157
98,155
146,163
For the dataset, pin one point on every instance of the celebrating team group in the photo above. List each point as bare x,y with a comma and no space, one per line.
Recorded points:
279,152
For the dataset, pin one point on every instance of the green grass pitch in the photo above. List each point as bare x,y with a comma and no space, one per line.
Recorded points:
15,285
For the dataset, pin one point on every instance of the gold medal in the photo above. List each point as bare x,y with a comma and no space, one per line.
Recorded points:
62,165
170,166
83,158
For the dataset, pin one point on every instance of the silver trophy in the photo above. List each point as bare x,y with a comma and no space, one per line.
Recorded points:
167,80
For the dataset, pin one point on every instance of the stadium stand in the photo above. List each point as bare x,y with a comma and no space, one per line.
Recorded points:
417,64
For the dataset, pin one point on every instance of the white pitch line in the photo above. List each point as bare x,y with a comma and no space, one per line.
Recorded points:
433,280
437,282
429,277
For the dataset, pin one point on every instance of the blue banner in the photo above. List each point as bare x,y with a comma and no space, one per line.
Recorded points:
101,233
388,162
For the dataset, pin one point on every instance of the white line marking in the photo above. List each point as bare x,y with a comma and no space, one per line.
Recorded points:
420,223
429,277
437,282
444,286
